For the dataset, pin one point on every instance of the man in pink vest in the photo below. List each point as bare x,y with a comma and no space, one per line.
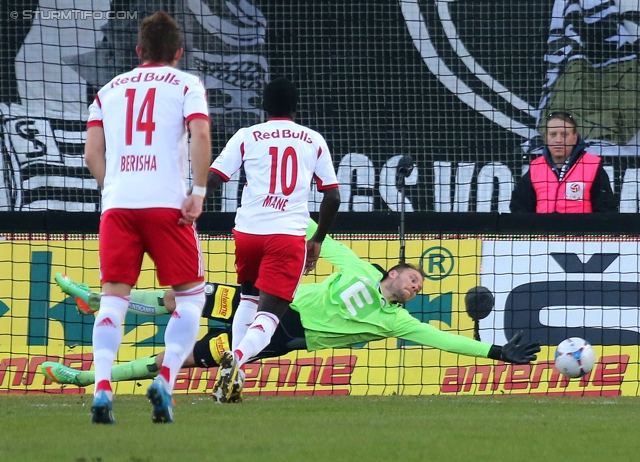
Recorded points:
565,178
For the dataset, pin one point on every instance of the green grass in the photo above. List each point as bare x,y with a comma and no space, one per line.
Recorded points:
292,429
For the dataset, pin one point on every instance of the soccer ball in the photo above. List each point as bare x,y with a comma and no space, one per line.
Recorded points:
575,357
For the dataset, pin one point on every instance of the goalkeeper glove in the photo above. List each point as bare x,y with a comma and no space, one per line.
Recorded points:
512,352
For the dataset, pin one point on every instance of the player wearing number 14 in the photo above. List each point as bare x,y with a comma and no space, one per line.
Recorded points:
280,159
137,151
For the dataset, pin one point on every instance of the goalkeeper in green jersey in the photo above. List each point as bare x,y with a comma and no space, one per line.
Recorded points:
359,303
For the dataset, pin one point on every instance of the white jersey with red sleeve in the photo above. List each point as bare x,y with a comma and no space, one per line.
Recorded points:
145,113
280,158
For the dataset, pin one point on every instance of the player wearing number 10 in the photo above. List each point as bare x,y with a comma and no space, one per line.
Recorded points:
280,159
137,150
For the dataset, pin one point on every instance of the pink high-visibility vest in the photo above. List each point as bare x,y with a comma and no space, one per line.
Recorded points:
572,194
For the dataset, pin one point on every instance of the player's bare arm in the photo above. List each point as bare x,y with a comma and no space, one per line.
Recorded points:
200,160
328,210
94,153
214,181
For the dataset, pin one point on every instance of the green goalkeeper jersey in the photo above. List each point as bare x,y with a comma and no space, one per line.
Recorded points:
348,308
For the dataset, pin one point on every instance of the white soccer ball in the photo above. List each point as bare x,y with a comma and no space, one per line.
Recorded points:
575,357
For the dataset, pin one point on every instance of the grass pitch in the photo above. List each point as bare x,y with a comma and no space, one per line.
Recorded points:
391,428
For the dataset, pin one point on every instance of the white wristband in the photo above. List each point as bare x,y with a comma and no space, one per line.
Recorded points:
199,191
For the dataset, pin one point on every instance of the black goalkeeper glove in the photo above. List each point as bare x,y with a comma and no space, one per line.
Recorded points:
512,352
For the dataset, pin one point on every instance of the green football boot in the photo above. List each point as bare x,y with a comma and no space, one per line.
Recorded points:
87,302
62,374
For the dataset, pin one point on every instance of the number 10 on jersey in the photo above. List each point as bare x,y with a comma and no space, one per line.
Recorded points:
289,157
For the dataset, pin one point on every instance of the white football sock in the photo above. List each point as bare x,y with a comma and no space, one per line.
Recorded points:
245,314
107,334
258,336
182,330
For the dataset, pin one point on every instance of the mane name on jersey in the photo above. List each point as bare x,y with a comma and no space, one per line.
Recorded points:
286,133
278,203
147,77
143,163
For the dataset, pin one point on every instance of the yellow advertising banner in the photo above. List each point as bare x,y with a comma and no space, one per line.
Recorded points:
39,323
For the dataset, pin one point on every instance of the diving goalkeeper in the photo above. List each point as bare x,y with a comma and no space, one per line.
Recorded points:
359,303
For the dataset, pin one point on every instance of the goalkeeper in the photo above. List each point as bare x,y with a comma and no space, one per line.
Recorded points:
360,303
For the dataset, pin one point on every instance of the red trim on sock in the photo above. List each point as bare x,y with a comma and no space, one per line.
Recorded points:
270,316
242,368
121,297
165,373
193,291
238,354
104,385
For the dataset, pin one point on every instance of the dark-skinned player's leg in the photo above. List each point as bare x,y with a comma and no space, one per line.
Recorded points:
273,263
270,309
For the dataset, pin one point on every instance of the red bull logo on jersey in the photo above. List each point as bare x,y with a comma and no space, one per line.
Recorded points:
144,163
146,77
275,134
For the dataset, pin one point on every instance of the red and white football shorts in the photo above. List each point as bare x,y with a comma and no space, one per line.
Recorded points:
126,234
273,262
